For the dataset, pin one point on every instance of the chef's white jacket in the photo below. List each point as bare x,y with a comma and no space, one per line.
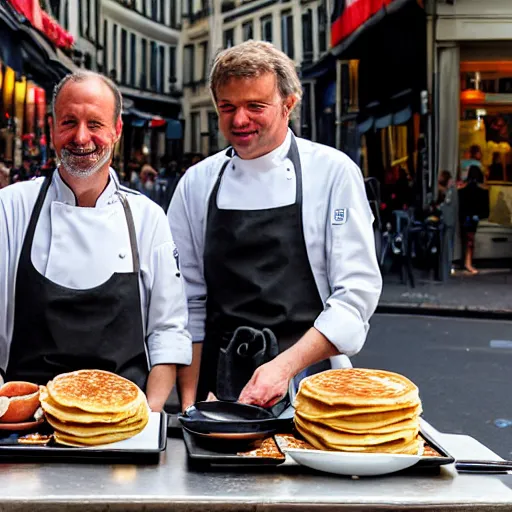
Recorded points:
81,248
337,230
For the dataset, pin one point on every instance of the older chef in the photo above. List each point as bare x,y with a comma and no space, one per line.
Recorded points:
88,276
275,232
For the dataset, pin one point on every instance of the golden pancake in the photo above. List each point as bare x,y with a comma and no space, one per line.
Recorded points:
113,437
97,429
406,424
360,387
333,438
316,410
94,391
73,414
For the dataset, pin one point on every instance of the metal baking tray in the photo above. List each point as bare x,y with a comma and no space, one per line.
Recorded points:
210,452
144,453
201,451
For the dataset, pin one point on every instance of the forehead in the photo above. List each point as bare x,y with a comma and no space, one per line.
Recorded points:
91,95
263,87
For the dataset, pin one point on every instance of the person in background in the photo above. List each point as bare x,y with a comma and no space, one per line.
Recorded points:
473,206
88,271
274,234
4,175
448,204
475,159
22,173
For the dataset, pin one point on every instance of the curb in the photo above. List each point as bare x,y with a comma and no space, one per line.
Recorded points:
426,309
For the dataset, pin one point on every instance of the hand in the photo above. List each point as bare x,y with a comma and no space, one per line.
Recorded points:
268,384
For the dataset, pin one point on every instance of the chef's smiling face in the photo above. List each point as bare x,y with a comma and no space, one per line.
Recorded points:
253,116
84,130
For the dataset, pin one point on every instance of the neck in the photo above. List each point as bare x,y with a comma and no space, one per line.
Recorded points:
86,190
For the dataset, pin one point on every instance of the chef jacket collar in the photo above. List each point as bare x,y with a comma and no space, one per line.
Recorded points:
67,196
265,162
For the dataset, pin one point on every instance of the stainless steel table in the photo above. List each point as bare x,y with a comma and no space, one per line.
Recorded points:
173,485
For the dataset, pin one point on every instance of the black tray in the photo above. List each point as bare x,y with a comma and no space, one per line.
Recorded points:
202,451
433,462
12,451
199,452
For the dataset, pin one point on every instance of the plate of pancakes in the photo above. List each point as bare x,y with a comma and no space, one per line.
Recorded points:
93,407
358,422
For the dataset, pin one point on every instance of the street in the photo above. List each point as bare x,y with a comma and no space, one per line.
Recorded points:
461,366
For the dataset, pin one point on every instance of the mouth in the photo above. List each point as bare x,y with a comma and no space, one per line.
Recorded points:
82,152
244,136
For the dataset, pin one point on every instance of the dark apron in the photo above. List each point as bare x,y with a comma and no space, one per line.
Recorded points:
257,274
58,329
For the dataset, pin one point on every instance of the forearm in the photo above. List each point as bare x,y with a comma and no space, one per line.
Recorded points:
188,377
312,348
161,380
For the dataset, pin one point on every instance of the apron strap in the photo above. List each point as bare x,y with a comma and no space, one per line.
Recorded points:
131,230
29,235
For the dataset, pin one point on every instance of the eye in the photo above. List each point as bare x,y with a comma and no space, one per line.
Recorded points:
67,122
94,124
226,107
255,107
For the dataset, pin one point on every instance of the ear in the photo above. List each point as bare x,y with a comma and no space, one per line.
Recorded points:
289,104
119,128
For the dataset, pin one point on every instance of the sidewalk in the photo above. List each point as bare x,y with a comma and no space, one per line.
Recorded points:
487,294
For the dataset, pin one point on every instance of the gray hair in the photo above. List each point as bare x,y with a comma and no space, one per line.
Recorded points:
84,74
253,59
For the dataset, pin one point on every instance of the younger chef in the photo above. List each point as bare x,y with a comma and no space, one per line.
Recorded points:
88,276
274,233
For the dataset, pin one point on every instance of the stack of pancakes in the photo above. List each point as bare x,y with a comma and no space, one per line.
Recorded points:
359,410
93,407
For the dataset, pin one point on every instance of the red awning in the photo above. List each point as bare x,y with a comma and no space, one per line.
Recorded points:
348,15
43,22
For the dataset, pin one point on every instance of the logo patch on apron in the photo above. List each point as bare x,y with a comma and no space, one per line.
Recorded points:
340,216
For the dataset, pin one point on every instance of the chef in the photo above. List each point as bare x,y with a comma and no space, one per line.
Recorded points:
88,273
274,232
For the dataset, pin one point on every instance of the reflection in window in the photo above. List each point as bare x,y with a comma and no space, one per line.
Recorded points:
247,32
229,38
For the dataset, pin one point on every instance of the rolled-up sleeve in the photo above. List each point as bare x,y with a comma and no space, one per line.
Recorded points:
353,272
168,340
6,311
188,237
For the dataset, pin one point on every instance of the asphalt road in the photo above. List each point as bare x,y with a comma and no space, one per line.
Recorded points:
462,367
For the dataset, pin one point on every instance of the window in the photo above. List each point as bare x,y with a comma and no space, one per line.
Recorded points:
204,50
144,8
287,33
105,47
213,133
173,22
154,10
172,63
163,10
161,69
113,70
307,36
229,38
124,55
86,11
306,114
195,132
188,64
322,29
143,61
154,66
266,29
133,58
247,32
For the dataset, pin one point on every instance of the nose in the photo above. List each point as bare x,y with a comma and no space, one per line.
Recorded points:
240,117
82,134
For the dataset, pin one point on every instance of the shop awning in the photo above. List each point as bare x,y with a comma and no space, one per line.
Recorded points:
140,119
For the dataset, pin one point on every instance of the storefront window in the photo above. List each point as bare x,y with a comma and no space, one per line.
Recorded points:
485,132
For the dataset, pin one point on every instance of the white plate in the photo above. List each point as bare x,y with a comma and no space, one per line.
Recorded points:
352,464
